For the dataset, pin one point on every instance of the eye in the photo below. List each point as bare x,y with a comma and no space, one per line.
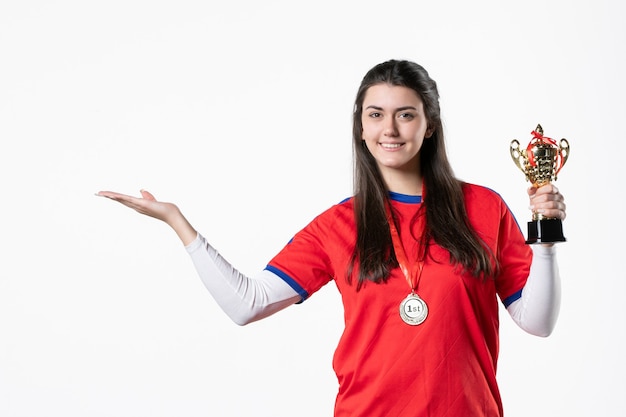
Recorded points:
408,116
375,114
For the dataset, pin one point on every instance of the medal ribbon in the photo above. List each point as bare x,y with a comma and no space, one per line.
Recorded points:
413,274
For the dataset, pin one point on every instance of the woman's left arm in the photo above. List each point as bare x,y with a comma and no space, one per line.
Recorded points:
538,308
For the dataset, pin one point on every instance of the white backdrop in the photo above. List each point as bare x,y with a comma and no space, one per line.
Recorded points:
240,113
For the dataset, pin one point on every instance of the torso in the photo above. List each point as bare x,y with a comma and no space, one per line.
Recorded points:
444,366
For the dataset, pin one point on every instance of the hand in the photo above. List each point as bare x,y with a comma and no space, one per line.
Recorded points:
547,201
148,205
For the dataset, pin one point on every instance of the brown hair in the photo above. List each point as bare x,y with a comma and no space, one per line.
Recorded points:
446,223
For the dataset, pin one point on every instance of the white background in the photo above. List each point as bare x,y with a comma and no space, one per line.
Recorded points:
240,113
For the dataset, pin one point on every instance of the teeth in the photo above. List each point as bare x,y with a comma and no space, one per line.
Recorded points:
390,145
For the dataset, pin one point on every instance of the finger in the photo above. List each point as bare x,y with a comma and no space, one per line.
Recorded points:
136,203
132,202
147,195
112,195
540,193
547,200
548,189
552,213
551,209
549,203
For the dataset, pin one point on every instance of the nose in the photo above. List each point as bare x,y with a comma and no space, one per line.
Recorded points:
390,128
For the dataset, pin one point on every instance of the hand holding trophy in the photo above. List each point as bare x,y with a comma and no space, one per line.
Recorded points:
541,162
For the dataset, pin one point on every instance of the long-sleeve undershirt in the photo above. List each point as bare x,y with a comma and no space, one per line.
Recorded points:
247,299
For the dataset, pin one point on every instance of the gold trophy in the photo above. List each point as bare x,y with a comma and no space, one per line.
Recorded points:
541,162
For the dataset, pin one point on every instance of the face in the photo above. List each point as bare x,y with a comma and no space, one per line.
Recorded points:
394,127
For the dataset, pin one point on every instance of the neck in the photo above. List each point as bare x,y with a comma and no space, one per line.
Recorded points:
404,183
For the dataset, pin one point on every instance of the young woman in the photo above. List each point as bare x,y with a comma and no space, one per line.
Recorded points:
420,259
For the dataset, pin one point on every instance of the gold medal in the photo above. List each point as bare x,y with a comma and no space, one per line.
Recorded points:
413,310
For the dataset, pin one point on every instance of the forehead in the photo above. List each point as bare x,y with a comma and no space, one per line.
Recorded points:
386,95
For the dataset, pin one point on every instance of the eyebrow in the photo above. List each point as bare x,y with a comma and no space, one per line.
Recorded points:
398,109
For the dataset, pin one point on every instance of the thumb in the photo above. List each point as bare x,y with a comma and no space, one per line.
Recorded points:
145,194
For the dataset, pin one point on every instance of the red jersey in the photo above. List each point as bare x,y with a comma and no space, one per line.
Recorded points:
445,366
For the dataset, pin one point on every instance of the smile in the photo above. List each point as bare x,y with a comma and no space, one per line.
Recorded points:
391,146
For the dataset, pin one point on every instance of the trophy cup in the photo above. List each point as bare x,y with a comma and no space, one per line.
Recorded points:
541,162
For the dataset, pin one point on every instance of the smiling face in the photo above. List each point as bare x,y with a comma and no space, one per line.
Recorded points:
394,127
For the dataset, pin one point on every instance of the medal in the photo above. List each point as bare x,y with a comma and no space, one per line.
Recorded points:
413,310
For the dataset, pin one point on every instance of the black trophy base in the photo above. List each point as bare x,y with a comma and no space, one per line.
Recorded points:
545,231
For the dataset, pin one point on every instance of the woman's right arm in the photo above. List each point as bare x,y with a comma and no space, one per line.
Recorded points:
242,298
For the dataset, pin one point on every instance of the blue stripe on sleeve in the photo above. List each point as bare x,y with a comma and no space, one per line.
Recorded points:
511,298
290,281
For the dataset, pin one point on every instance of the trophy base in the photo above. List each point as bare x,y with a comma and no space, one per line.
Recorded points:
545,231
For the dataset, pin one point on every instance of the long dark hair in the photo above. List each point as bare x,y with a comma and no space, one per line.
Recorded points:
446,222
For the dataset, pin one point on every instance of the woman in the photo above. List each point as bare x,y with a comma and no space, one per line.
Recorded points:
420,259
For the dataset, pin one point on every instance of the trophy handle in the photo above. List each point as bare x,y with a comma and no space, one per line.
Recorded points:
518,156
563,154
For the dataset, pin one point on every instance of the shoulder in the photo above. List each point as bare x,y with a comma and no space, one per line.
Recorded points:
341,212
342,209
479,194
483,201
334,226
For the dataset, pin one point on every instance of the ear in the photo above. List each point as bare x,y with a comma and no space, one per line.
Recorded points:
429,133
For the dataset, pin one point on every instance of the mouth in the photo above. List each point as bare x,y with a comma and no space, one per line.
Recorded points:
391,146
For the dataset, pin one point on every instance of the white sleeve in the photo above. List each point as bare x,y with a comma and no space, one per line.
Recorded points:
242,298
538,308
